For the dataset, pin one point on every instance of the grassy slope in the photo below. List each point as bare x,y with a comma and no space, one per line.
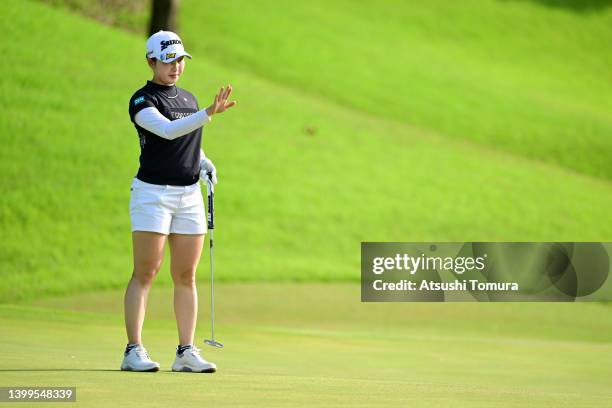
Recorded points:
297,352
286,197
516,75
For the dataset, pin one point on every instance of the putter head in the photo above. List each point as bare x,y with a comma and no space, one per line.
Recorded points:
213,343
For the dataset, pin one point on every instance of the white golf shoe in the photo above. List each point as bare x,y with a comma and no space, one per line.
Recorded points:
137,359
191,361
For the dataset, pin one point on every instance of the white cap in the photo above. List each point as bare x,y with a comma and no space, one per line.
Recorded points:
166,46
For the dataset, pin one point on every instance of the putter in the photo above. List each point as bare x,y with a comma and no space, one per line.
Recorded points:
210,191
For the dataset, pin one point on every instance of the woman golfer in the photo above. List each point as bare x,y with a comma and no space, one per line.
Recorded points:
166,200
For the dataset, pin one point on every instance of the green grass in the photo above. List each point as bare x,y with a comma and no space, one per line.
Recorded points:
131,15
366,121
316,344
306,172
515,75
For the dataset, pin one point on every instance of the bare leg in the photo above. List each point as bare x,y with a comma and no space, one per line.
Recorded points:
185,251
148,255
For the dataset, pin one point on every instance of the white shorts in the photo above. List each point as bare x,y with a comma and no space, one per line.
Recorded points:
167,209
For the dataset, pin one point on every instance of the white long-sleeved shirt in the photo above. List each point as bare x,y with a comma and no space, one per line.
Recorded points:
152,120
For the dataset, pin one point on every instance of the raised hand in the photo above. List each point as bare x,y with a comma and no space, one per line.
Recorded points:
220,104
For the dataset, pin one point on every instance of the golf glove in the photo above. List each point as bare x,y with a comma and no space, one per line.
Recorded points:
207,166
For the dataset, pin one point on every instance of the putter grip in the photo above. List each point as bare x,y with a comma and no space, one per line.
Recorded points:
211,210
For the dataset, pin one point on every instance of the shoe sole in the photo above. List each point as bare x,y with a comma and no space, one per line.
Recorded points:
149,370
189,370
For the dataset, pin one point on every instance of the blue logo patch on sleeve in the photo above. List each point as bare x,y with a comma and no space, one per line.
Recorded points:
138,100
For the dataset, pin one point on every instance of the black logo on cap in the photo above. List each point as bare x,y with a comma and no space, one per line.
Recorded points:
166,44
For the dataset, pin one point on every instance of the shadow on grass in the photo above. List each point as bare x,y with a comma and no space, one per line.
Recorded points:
35,370
57,369
578,6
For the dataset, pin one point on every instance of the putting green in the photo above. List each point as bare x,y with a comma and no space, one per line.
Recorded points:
316,344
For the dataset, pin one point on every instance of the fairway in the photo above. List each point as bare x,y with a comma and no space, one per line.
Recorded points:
316,344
